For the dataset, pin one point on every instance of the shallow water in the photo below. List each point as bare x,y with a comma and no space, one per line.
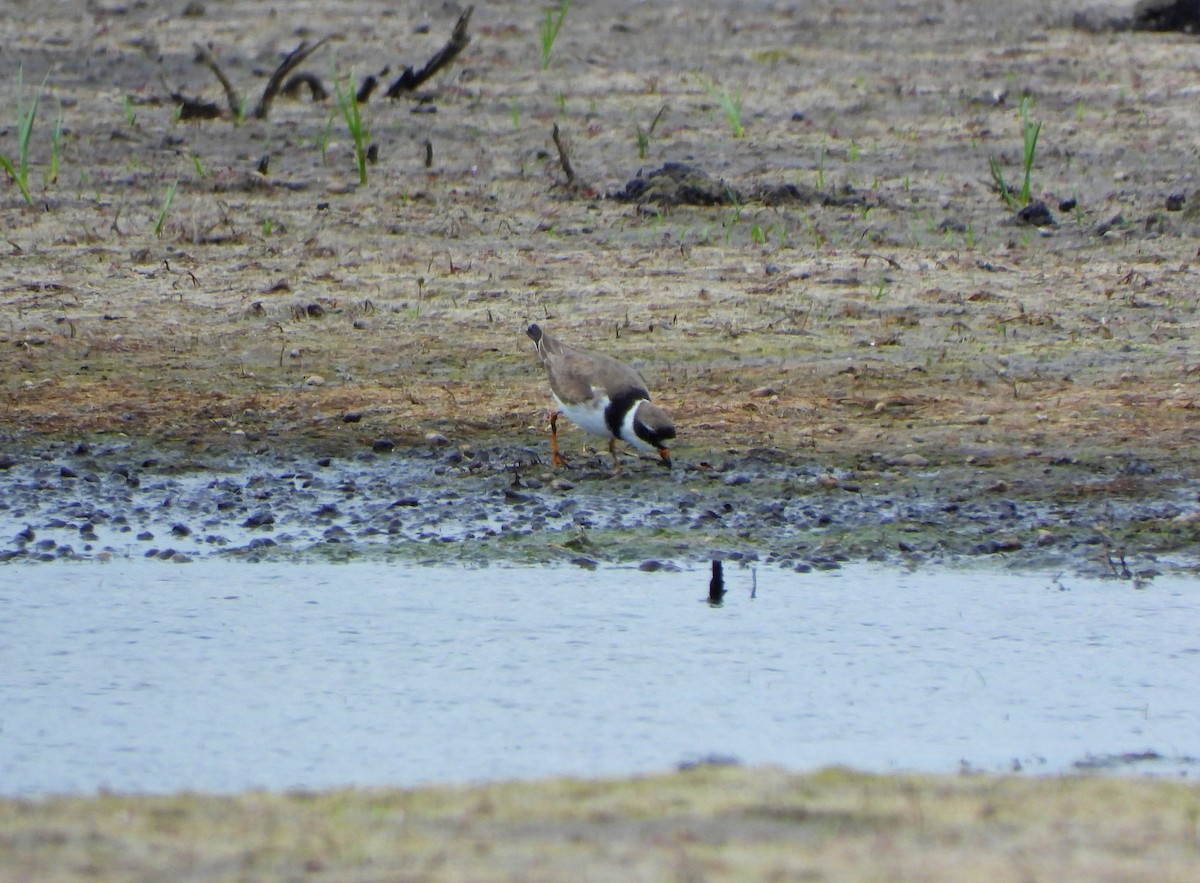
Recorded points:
142,676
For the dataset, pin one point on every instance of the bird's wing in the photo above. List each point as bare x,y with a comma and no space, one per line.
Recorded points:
586,374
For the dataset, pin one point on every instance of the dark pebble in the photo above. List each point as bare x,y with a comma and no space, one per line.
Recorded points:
383,446
1001,545
259,519
653,565
1175,202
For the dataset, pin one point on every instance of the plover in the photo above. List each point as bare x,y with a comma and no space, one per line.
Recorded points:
602,396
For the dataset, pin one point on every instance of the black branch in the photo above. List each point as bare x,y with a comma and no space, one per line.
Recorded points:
410,80
297,82
205,55
292,61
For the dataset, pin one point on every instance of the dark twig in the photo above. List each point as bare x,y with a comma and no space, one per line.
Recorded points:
365,90
293,60
563,158
408,81
293,86
204,54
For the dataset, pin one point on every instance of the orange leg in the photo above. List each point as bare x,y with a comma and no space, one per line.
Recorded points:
555,457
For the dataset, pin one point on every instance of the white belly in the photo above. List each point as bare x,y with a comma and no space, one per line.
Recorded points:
588,416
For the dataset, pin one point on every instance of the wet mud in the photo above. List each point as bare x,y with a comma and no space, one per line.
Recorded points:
442,503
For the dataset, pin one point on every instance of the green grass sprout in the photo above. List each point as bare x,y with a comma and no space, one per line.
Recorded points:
348,104
324,137
51,175
730,102
18,171
551,24
1030,130
1000,184
166,207
644,135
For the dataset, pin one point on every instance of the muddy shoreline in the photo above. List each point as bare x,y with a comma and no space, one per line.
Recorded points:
867,352
440,502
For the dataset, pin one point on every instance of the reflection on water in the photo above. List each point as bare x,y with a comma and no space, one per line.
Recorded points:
218,676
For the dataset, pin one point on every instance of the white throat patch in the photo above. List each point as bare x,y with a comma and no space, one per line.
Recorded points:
628,435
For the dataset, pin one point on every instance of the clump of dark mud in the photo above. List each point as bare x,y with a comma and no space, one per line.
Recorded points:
676,184
1146,15
1167,15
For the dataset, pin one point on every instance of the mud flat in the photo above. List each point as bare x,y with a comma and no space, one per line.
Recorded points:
479,503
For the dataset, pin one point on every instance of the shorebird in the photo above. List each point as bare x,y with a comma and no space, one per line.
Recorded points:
602,396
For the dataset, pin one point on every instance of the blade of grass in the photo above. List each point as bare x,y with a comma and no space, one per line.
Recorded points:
644,135
166,207
551,24
51,175
1001,184
7,165
1030,129
26,116
731,104
347,98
